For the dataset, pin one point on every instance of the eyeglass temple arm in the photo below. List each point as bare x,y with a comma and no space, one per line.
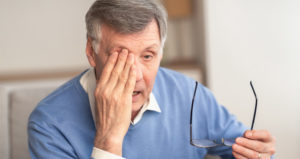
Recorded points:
192,107
253,119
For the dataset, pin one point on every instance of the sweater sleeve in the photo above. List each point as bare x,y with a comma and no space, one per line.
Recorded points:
45,141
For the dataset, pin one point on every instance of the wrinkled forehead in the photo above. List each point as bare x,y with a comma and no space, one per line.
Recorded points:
147,39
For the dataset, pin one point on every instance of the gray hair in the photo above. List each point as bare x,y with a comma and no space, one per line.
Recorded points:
125,17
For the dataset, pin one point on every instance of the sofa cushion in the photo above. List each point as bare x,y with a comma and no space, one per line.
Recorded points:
22,102
18,99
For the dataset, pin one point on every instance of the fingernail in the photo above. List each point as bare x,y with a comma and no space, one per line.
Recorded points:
122,53
234,146
238,140
114,54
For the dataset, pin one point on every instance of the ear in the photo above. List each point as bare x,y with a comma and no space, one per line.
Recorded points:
90,53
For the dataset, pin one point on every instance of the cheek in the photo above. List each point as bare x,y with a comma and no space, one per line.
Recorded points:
100,62
151,73
149,78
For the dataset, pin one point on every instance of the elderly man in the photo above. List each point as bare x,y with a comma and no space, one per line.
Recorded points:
126,105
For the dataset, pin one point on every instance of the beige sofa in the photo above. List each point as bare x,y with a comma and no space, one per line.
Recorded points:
17,100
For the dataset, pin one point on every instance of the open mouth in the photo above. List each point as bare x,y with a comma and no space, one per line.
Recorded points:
136,93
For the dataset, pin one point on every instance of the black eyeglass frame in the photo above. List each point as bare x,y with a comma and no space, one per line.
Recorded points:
222,140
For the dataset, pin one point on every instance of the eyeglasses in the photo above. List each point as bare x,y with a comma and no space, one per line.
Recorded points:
206,143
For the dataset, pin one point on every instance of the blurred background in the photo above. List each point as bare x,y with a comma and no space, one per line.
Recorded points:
223,44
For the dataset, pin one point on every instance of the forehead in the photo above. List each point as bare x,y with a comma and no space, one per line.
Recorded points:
148,38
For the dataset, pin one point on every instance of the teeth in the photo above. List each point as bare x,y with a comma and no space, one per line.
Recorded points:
135,93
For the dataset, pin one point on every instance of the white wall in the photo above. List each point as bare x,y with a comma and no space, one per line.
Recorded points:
37,35
257,40
49,35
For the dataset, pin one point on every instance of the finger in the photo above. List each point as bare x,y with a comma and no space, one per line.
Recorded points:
125,73
262,135
248,153
255,145
131,81
114,76
238,156
108,67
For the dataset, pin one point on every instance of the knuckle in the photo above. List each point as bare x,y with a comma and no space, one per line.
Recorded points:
254,132
123,77
253,154
262,148
256,146
105,94
114,98
122,80
247,131
115,73
98,92
105,71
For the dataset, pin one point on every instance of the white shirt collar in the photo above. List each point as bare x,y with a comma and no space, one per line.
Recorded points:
88,82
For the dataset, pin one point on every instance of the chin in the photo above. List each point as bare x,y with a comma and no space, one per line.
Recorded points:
137,105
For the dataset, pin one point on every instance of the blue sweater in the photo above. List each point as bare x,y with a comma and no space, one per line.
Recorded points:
62,126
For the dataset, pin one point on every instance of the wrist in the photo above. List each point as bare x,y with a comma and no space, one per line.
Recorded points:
112,145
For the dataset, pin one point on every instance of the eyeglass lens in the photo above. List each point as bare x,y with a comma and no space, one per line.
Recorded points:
205,143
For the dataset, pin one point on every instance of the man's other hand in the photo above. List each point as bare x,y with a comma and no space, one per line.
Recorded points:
255,144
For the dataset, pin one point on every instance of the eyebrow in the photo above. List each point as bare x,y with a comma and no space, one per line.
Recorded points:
111,47
153,46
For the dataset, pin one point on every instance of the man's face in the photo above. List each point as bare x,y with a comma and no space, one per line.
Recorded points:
145,46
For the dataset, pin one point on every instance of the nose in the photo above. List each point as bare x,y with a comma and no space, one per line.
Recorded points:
139,70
